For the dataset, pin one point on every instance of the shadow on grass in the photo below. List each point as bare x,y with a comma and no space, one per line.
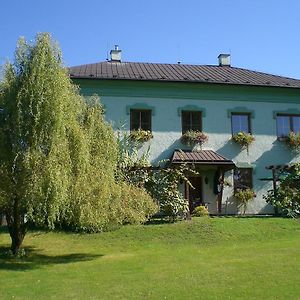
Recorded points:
246,216
159,221
34,259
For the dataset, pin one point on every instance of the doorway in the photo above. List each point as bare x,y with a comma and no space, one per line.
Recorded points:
194,195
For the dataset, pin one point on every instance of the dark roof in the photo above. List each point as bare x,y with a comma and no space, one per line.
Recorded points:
203,157
180,73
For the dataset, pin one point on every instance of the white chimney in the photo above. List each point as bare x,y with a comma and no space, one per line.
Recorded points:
224,60
115,55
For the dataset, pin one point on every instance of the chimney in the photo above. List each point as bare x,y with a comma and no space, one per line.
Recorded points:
115,55
224,60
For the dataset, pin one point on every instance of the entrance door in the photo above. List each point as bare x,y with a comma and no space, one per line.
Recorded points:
194,195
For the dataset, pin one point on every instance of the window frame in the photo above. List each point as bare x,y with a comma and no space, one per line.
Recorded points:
291,129
190,120
250,186
241,114
136,110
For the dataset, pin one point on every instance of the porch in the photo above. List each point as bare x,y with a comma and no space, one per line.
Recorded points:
207,187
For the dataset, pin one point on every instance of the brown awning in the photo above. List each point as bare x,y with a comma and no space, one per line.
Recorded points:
202,157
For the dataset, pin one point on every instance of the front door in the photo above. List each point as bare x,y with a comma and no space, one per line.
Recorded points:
194,195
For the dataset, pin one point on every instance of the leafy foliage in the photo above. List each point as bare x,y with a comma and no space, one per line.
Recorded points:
287,196
200,211
243,197
141,135
293,140
192,137
243,139
57,154
161,183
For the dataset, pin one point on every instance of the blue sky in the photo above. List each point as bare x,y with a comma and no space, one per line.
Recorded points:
261,35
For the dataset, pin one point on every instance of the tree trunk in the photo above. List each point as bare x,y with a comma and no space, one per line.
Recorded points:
16,227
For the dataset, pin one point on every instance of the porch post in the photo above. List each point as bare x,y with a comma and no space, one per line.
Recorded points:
220,192
274,177
187,197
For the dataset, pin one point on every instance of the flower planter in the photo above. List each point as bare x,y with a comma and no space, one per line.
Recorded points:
243,139
141,136
293,140
194,138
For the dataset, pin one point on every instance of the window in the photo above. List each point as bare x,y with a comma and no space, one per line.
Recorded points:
240,122
191,120
287,123
140,119
242,178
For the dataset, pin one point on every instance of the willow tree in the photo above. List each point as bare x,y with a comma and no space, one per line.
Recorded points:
57,155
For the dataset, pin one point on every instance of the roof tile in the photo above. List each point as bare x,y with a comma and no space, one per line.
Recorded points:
205,157
181,73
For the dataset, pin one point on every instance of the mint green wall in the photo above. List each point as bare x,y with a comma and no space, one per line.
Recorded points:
167,99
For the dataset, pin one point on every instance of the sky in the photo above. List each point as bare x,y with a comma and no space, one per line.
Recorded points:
261,35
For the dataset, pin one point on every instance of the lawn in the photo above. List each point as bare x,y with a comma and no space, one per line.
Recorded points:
206,258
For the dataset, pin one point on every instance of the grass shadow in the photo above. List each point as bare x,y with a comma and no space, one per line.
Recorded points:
34,259
245,216
159,221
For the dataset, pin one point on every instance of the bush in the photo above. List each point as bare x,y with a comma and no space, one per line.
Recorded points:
243,197
287,196
200,211
132,205
161,183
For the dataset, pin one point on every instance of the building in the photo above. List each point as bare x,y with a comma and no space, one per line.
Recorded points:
220,100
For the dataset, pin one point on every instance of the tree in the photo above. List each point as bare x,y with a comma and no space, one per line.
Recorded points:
57,154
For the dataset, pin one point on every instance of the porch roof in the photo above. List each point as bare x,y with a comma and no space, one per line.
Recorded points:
201,157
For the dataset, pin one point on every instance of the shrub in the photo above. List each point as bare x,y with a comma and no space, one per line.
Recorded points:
161,183
141,135
243,139
163,186
287,196
293,140
131,205
243,197
200,211
192,137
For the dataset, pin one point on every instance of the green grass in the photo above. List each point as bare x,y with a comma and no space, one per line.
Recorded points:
216,258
